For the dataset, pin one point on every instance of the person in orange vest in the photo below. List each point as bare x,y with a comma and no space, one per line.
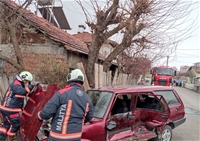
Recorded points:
69,109
12,104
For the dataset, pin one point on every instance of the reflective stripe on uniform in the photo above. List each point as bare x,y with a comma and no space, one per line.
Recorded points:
3,130
67,116
10,109
86,111
38,115
9,133
19,96
65,136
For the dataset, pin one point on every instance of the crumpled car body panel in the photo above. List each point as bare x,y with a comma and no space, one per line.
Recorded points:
29,124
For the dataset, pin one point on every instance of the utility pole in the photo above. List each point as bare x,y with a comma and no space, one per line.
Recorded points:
167,60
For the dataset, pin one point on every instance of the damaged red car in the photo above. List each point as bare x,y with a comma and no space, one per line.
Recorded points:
125,113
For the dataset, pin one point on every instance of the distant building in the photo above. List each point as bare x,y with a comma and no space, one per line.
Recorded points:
183,69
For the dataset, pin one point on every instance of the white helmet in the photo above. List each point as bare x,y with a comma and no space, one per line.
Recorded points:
25,75
75,75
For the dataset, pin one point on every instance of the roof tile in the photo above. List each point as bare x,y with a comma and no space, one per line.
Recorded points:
55,33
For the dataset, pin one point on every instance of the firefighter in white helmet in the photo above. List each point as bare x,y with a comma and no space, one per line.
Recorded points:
69,109
13,102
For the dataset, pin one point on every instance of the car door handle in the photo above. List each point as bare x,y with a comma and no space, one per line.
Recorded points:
176,109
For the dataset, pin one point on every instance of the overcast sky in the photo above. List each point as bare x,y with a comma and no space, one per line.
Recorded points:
187,52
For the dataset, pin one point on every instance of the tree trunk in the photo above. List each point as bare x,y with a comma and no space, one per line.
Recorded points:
12,33
93,55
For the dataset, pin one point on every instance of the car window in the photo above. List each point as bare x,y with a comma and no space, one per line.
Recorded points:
151,102
101,101
122,104
169,96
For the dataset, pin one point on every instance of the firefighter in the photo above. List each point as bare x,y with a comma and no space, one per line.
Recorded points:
69,109
12,104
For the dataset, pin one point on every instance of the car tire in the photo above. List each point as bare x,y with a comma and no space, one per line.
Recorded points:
166,135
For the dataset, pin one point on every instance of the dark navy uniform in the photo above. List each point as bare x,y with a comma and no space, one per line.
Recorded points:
70,108
11,105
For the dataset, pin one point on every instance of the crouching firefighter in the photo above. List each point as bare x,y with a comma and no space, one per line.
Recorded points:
12,104
69,109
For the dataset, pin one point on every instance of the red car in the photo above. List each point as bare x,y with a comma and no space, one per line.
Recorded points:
125,113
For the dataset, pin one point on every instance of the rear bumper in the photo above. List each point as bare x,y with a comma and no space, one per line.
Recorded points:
179,122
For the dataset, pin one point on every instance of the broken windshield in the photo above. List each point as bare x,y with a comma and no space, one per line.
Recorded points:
101,101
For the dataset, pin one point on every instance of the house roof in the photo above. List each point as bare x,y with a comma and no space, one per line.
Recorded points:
195,68
87,38
57,34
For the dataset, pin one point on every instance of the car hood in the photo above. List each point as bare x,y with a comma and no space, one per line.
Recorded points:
29,124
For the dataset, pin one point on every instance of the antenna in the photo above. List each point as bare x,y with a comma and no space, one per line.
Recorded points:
51,10
81,28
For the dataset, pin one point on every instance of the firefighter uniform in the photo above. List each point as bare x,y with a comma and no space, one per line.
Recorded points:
11,106
70,108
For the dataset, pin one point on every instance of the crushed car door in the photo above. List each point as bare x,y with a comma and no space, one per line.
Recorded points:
152,110
154,104
120,118
144,119
29,124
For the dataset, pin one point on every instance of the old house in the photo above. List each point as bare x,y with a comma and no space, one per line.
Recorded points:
106,48
40,40
194,73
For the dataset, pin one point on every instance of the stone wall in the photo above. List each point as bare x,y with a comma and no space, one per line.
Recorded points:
192,87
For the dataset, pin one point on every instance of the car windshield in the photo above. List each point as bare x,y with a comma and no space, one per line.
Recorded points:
163,71
101,101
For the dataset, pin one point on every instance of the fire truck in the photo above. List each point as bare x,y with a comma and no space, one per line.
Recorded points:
162,75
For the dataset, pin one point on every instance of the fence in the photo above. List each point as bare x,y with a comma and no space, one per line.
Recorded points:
101,79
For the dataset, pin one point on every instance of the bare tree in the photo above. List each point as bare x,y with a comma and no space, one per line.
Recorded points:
10,23
151,26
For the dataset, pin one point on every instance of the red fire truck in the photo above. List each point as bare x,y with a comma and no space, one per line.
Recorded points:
162,75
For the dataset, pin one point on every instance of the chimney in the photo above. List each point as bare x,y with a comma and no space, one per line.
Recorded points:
81,28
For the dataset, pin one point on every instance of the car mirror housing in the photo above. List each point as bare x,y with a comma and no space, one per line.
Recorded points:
111,125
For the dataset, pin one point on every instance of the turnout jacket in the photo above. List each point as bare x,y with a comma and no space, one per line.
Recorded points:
13,99
70,108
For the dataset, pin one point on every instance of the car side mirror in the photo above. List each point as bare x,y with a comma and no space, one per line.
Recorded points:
151,71
174,73
111,125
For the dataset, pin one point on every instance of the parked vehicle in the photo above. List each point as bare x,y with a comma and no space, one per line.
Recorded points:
162,75
120,113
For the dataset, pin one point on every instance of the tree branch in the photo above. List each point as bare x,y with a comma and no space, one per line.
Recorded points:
10,61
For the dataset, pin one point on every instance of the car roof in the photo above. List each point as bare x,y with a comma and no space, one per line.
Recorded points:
133,88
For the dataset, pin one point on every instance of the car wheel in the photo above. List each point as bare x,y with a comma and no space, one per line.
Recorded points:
166,135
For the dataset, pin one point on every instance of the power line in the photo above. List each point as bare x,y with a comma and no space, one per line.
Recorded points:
187,54
187,49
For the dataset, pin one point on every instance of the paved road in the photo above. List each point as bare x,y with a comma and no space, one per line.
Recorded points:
190,130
